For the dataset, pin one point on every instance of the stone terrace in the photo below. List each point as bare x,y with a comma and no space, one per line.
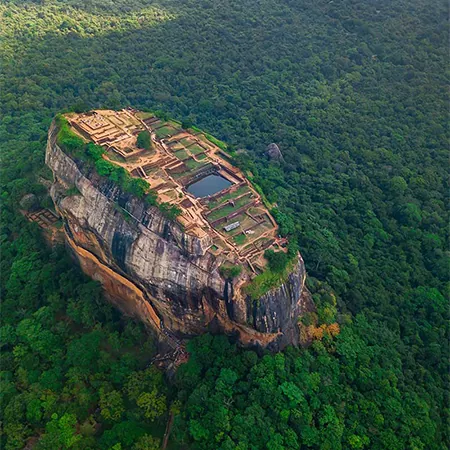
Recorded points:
178,159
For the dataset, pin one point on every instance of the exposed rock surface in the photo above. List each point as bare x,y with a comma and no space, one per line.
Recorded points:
29,202
273,152
155,272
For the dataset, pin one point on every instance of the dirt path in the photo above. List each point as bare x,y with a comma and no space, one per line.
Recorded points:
167,433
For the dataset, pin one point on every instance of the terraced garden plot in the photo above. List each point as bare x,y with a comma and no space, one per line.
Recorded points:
156,124
187,141
240,239
181,154
256,211
192,164
113,156
166,130
178,175
203,138
222,212
190,167
171,194
201,157
212,140
176,146
245,222
259,230
228,209
259,244
145,115
218,242
154,171
196,149
229,195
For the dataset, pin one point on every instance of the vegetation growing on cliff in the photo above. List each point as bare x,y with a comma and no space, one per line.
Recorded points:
91,153
229,271
354,93
269,279
280,265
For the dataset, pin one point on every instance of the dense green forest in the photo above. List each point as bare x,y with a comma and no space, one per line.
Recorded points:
354,92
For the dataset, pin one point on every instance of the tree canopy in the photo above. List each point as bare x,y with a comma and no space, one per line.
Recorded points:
355,96
144,141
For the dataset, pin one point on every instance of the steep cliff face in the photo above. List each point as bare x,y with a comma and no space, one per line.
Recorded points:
154,271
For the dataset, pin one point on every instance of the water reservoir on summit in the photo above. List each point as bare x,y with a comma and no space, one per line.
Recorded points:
208,186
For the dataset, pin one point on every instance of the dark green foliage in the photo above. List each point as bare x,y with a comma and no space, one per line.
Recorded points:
336,395
280,264
144,141
355,95
151,199
79,107
228,271
266,281
170,211
285,222
185,124
104,168
277,260
66,355
95,152
67,139
137,187
65,351
72,191
163,115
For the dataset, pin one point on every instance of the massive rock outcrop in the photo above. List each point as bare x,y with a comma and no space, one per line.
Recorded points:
273,152
152,270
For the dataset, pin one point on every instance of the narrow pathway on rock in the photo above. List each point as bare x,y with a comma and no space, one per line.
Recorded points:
167,432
